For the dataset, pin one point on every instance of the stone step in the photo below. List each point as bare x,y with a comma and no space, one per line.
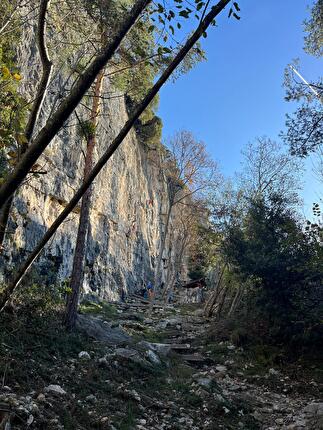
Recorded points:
177,340
180,346
194,358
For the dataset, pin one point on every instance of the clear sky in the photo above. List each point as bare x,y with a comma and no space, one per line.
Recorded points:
237,94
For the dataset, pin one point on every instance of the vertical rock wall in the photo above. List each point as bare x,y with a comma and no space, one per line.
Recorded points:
130,194
130,198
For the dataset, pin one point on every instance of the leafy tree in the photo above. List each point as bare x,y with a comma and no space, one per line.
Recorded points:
282,260
13,106
87,74
305,126
313,28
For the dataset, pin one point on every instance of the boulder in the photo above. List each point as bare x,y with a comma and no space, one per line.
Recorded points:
163,349
98,330
55,389
84,355
129,354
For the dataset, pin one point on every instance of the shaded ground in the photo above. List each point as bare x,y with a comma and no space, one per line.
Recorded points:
137,383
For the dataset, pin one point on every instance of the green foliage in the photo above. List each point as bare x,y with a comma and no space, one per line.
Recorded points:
150,131
12,106
205,253
283,263
107,310
314,29
86,130
304,127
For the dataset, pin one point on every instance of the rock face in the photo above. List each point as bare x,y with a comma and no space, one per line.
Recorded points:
130,198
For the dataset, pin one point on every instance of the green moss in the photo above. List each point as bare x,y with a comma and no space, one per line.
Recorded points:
106,310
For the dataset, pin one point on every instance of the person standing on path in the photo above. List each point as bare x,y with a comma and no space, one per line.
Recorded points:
150,290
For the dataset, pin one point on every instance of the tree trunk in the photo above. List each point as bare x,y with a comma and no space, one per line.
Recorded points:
111,149
79,253
235,301
4,216
209,306
224,292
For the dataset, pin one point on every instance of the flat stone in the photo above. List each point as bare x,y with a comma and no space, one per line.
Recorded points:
314,409
204,382
194,358
220,368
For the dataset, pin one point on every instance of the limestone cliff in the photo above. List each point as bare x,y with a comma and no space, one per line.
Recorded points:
130,198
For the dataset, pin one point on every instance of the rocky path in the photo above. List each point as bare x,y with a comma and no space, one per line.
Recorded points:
222,381
154,368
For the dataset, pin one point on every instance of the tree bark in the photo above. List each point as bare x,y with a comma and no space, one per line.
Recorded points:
235,301
4,216
63,112
79,253
112,148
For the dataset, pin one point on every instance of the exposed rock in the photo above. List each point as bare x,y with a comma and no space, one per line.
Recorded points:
220,368
160,348
152,357
84,355
205,382
54,389
129,195
91,399
314,409
97,329
130,355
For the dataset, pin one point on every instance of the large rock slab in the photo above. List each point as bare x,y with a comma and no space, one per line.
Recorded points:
98,330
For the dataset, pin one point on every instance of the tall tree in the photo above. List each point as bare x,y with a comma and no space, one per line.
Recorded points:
36,107
282,261
267,169
79,253
189,171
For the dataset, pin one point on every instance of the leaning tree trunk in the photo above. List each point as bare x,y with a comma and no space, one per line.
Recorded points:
79,254
235,301
210,304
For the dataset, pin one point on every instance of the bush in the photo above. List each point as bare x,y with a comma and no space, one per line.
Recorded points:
283,262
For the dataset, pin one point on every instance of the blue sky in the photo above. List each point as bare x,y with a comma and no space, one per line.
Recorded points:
237,94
